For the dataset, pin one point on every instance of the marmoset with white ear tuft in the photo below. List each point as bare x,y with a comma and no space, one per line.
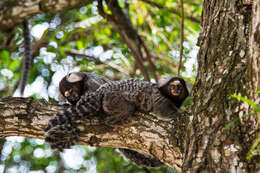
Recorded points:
76,84
175,89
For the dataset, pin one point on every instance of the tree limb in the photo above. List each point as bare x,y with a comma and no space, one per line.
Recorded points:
144,133
97,60
130,36
14,12
182,36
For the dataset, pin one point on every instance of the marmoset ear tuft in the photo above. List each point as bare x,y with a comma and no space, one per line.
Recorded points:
74,77
164,80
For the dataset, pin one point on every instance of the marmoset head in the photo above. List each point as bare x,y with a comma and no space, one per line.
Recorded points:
174,89
72,86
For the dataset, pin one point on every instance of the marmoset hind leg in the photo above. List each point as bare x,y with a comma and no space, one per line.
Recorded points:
88,105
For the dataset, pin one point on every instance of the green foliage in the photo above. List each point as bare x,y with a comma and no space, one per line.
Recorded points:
22,153
250,102
117,163
255,148
246,100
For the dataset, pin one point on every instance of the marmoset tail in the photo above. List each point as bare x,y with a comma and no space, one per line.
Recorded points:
27,60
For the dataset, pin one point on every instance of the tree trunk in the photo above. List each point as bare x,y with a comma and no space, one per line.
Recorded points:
226,67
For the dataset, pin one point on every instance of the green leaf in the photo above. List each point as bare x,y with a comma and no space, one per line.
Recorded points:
5,54
254,149
236,119
80,45
257,109
5,58
244,100
14,65
229,124
187,101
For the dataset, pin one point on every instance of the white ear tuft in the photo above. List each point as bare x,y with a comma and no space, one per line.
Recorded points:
177,82
163,80
73,77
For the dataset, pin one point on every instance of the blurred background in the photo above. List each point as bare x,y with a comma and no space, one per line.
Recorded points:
82,40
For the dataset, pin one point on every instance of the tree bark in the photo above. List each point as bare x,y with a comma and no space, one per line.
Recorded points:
255,39
226,67
28,117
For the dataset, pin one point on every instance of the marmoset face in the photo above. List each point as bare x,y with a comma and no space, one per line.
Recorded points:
175,88
71,87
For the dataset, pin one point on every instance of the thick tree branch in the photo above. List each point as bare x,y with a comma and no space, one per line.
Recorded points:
13,12
143,133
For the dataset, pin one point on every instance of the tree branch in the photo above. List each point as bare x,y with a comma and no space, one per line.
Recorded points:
182,36
97,60
14,12
143,133
129,35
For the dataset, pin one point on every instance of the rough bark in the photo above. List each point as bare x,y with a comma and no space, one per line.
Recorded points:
255,38
13,12
225,68
143,133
